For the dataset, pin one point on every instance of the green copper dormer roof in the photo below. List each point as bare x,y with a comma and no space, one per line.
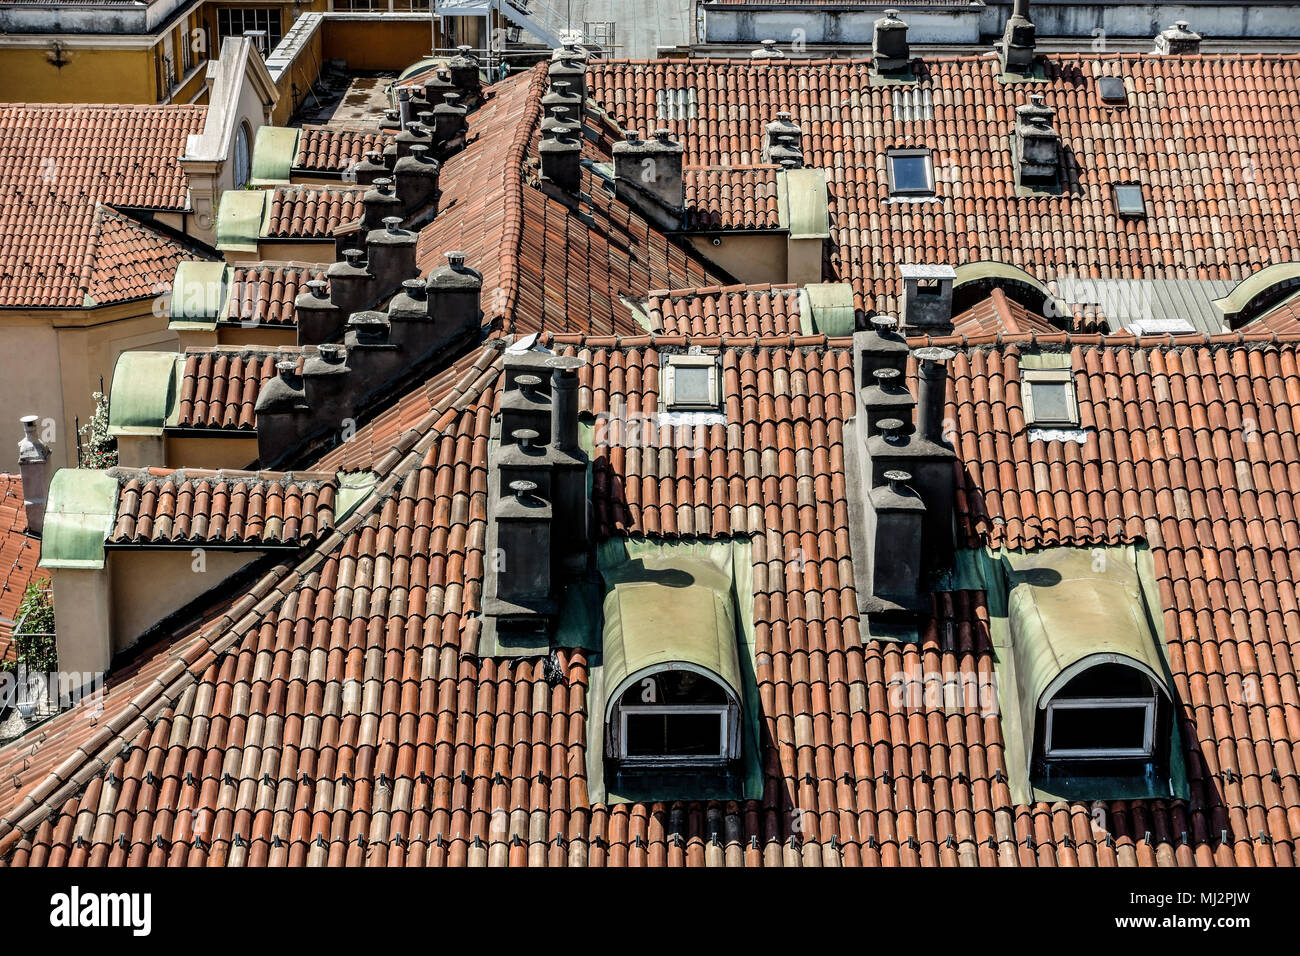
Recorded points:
242,218
143,398
802,207
79,512
274,149
200,294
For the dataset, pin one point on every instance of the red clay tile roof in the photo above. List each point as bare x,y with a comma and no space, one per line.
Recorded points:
312,212
543,265
263,293
331,149
1210,137
56,164
731,197
734,310
1284,319
870,779
18,556
128,260
158,506
219,386
998,313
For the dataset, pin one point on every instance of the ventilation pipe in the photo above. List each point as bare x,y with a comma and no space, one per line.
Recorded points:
1016,49
33,466
1178,40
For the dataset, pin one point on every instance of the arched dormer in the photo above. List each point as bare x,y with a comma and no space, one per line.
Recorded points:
672,669
975,281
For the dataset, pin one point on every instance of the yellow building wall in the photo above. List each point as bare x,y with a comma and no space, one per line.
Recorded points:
749,258
87,76
377,44
186,452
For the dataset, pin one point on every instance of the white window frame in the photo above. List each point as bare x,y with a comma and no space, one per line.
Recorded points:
664,760
670,383
1103,753
1029,377
892,154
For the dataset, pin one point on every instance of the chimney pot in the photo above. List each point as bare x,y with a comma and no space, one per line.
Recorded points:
33,466
528,383
525,437
330,351
886,377
392,224
932,395
523,489
883,323
414,288
354,256
455,259
892,430
318,288
897,478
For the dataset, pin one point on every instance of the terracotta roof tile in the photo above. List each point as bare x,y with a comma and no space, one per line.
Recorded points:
18,556
56,164
734,310
1216,208
998,313
128,260
332,149
219,386
1284,319
192,506
263,293
731,197
312,212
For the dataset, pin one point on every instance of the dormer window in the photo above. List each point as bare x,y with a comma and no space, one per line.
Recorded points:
1129,201
1106,713
1049,398
691,384
1111,89
675,718
911,172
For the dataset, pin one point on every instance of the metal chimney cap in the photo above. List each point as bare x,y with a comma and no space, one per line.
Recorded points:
353,255
528,381
522,488
317,287
455,259
884,323
896,477
934,353
373,155
415,288
885,375
330,351
384,184
286,367
663,133
525,436
29,421
565,363
393,224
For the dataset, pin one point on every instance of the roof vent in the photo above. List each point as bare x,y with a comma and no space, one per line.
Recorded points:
783,141
768,50
1111,89
1178,40
33,465
1037,144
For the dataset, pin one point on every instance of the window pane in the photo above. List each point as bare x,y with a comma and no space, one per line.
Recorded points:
911,172
1112,89
1129,199
691,386
673,735
1100,728
1051,401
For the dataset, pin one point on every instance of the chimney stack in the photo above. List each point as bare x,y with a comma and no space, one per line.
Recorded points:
352,286
890,52
569,496
896,516
379,202
327,389
1016,50
416,178
560,96
281,414
1038,157
370,168
33,467
932,396
404,106
571,68
648,174
318,319
392,256
1178,40
767,50
454,291
927,298
463,70
783,141
449,124
438,83
561,159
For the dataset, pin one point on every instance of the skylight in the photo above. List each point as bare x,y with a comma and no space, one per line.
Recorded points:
691,383
1112,89
911,172
1129,201
1049,398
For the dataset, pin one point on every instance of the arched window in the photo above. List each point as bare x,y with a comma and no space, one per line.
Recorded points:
674,715
1106,712
243,156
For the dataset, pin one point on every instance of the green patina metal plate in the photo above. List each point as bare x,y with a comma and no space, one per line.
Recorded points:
79,513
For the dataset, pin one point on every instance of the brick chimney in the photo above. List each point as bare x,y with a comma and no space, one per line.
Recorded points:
1178,40
1038,153
890,52
1016,49
34,468
648,175
927,298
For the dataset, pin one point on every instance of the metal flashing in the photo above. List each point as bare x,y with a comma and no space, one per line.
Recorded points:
274,150
241,219
78,516
802,208
830,308
142,398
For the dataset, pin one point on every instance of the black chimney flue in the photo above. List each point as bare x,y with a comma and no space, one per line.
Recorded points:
933,391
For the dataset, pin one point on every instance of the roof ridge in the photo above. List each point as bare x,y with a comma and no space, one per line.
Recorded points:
191,656
513,239
1239,337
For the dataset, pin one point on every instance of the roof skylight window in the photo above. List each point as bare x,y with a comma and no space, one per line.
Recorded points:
911,172
691,383
1112,89
1129,201
676,104
1049,398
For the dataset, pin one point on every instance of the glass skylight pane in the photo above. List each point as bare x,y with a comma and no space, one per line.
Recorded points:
1051,402
1100,728
911,173
1112,89
1128,199
691,386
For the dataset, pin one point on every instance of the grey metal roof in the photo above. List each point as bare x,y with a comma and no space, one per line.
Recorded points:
1153,304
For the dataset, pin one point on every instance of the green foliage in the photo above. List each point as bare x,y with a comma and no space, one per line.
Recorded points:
98,448
34,632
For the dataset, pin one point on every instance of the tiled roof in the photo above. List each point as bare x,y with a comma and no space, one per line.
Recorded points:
219,386
128,260
731,197
543,265
998,313
158,506
1284,319
56,164
331,149
312,212
853,774
1211,138
18,556
733,310
263,293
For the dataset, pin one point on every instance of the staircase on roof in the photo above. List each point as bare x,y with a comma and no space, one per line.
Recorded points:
538,17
